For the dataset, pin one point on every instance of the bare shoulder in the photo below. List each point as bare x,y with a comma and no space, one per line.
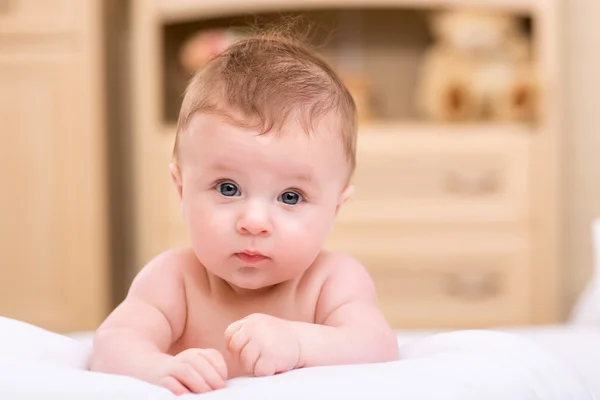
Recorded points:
157,296
344,280
165,270
337,267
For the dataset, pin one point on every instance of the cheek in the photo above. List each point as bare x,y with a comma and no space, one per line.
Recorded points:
206,222
305,232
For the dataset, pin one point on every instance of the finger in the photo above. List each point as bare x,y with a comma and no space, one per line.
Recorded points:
208,372
262,367
191,378
172,384
238,341
233,328
218,362
248,357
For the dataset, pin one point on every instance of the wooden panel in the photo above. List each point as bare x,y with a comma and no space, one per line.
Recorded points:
547,190
581,179
440,280
51,236
439,177
151,158
185,10
39,15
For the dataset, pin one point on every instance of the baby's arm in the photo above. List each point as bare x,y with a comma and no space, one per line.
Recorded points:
134,339
142,328
350,328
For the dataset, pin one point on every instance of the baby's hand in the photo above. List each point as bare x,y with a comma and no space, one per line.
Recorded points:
264,345
195,371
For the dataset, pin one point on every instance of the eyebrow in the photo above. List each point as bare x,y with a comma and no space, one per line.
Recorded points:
224,168
303,177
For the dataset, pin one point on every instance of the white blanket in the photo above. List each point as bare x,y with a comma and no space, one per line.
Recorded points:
467,365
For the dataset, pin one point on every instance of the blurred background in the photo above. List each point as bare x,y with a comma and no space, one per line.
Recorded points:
477,179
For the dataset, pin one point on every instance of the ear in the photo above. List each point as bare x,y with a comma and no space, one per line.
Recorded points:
176,177
344,196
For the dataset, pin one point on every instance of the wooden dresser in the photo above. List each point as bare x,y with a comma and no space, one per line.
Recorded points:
457,223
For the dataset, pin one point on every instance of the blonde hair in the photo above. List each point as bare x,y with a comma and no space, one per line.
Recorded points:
261,81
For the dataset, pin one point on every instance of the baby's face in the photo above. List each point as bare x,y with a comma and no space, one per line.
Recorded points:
259,207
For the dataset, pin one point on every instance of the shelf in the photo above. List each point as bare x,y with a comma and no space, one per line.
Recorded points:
418,128
432,129
174,11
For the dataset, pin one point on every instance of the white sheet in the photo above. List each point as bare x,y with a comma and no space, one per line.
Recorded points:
457,365
464,365
587,308
578,346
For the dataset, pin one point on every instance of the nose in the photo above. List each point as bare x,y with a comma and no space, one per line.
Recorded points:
254,220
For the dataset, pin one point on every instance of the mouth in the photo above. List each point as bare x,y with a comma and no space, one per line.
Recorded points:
251,257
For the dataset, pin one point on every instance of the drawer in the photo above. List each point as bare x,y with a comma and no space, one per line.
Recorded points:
447,282
442,177
38,15
438,291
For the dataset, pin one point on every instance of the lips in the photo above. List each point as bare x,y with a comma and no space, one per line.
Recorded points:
251,257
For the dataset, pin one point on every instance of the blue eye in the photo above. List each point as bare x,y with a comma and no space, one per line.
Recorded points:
228,189
290,198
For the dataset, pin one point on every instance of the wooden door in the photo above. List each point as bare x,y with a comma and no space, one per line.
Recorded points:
52,208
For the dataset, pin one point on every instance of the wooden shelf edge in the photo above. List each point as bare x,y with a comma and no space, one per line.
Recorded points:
416,128
175,11
438,128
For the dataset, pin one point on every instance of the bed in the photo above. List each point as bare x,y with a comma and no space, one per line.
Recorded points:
561,362
527,363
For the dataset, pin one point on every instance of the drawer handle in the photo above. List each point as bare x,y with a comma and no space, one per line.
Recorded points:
484,184
473,286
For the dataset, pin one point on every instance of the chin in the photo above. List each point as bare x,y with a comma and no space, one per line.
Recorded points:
257,283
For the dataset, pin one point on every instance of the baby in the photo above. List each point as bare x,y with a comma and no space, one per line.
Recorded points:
263,157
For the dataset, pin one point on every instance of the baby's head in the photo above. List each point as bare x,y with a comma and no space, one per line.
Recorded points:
264,152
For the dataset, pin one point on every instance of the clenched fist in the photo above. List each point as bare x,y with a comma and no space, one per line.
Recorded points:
263,345
194,371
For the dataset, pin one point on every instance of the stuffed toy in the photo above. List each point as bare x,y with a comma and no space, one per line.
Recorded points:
193,54
479,67
204,45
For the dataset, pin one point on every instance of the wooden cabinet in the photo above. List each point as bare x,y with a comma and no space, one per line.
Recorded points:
457,223
52,210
